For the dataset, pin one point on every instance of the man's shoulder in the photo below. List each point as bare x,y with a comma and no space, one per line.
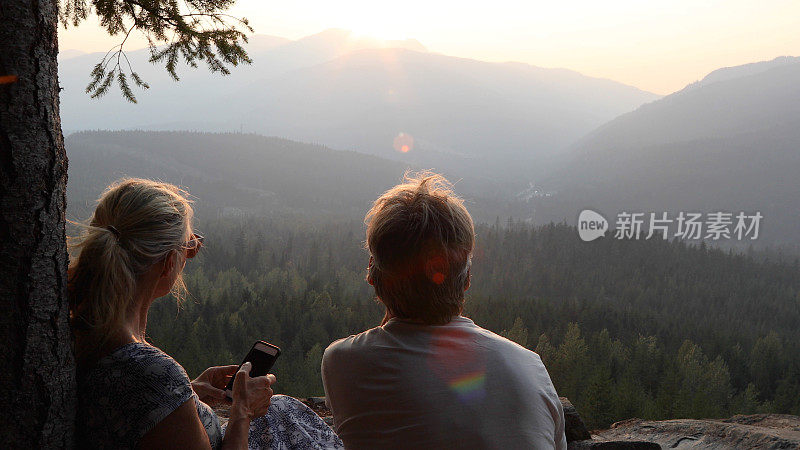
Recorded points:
509,349
500,340
352,343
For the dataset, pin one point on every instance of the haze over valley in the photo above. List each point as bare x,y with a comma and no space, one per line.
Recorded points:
354,94
523,141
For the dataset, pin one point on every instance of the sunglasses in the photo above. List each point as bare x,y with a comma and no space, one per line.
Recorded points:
194,245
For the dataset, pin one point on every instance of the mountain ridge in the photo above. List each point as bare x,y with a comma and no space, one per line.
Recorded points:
727,145
460,106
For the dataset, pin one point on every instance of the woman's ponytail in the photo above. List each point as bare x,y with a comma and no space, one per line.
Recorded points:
136,224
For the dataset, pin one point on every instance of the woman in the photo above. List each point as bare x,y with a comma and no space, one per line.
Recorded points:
132,394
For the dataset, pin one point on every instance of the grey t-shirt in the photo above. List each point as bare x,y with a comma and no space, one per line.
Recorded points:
408,385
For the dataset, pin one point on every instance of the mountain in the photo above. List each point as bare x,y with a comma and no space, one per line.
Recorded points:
728,143
460,112
727,73
330,44
359,94
228,173
247,174
69,53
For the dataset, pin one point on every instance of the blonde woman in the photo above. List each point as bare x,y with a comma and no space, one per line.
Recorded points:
130,393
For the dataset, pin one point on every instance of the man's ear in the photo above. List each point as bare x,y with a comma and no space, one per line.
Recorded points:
469,277
369,270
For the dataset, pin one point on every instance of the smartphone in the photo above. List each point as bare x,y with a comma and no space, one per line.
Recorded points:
262,356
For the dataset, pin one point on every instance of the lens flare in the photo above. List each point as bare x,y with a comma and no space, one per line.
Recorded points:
470,386
403,143
457,363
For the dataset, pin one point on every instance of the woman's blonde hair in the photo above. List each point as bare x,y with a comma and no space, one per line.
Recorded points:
420,237
136,224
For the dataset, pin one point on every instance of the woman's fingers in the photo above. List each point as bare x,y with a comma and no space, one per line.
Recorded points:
246,368
215,393
263,409
221,375
242,376
255,392
260,382
228,370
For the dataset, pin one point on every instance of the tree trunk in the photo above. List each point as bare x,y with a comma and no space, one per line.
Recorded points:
37,371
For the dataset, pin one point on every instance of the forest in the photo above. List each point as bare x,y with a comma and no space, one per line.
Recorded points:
650,329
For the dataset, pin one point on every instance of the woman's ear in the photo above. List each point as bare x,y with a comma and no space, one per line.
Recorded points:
469,277
369,271
169,265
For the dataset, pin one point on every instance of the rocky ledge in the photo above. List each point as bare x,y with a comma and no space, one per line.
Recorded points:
759,431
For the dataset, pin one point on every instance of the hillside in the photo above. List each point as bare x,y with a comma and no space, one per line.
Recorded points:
247,174
229,173
727,143
727,102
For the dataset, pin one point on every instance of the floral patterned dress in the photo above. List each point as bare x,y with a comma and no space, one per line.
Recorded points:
128,392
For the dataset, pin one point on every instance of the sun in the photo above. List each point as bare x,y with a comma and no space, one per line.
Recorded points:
368,27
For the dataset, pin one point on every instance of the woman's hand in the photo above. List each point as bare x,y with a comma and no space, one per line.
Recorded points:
210,385
251,396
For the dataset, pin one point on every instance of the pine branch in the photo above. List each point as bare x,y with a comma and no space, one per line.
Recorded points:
200,31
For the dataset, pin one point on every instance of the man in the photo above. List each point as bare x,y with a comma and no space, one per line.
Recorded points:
429,377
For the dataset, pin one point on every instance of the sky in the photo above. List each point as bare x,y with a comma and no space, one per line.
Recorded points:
659,46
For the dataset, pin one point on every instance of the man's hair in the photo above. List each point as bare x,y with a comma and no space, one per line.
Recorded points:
420,237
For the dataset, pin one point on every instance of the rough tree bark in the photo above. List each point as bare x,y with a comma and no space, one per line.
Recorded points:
37,380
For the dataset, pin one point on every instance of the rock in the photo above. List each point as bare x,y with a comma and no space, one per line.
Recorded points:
317,401
317,404
574,427
578,437
760,431
612,445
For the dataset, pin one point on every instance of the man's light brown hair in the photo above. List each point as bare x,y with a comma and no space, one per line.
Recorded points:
420,237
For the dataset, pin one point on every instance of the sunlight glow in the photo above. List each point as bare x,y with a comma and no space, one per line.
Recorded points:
367,29
659,46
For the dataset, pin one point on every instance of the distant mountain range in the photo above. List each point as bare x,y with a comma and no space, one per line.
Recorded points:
481,115
536,144
193,102
360,94
729,142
